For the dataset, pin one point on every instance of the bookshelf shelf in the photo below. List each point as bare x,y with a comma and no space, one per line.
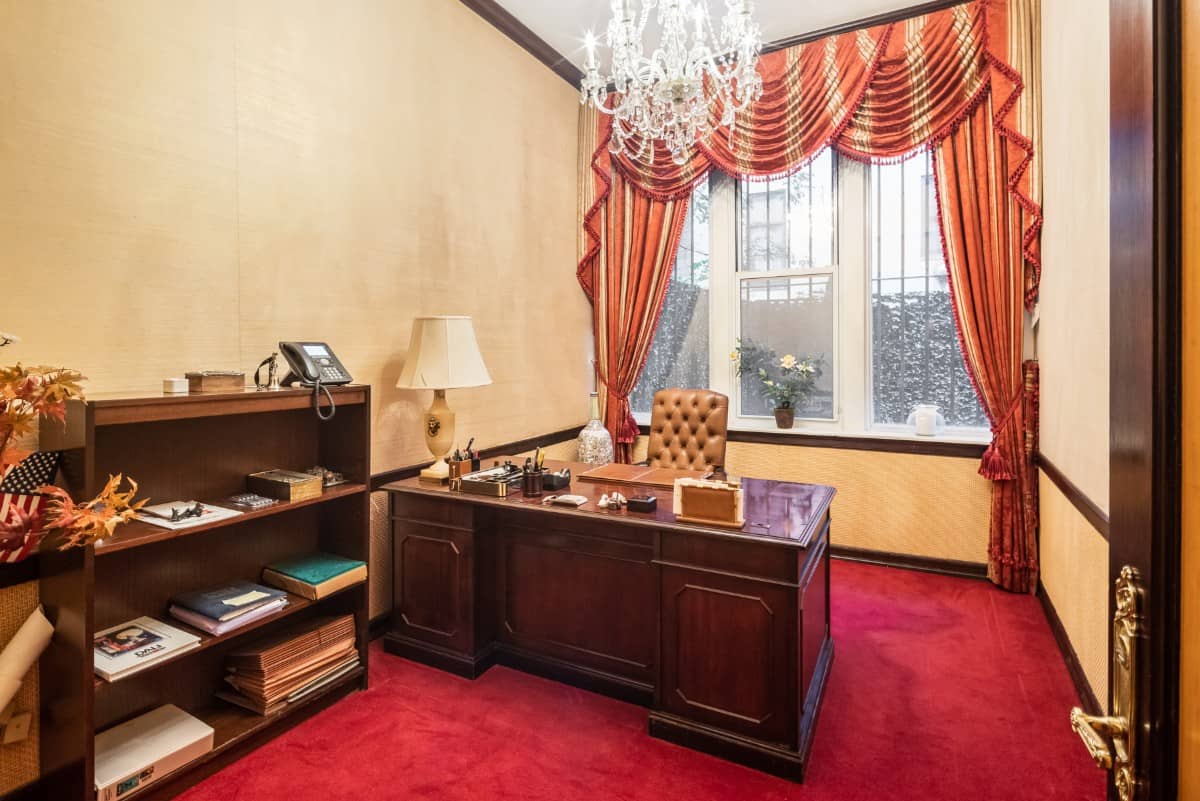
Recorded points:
234,728
296,604
137,533
179,448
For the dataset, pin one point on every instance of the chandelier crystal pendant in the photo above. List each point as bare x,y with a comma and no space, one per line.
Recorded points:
669,96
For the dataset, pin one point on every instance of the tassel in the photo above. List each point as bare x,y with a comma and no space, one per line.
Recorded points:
628,431
994,466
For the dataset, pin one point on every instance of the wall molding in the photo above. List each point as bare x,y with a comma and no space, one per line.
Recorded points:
885,18
924,564
505,449
1083,687
1085,505
514,29
963,450
539,48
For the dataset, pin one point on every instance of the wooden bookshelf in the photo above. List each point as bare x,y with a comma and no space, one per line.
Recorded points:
182,448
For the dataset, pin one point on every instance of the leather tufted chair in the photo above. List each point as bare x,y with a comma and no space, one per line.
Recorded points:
688,429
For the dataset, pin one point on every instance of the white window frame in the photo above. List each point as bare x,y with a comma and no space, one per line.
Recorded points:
852,390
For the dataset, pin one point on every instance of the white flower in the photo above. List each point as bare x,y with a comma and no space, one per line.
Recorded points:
8,339
806,368
770,383
733,355
787,362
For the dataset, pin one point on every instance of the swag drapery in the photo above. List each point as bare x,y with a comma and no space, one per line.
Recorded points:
951,82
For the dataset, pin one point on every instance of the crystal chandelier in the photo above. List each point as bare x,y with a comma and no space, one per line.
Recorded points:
668,95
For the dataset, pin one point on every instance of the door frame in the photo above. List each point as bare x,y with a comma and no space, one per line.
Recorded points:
1145,346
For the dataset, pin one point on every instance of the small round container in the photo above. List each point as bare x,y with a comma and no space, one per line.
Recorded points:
531,484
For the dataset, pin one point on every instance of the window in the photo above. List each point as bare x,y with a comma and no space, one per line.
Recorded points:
837,261
915,355
787,232
679,356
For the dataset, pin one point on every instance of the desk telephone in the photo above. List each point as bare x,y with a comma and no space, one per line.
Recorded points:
313,364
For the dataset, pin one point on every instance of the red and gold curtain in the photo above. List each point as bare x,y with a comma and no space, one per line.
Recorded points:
632,263
953,82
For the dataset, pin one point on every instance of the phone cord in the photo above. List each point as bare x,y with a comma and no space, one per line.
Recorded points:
318,388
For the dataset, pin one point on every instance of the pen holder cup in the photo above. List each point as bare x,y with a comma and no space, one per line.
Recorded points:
531,484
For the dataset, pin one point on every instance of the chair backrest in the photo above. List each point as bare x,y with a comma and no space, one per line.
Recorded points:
688,428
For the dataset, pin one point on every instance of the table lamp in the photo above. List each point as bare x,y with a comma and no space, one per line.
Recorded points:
442,355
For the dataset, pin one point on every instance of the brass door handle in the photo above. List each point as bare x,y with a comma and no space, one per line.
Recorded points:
1111,739
1095,733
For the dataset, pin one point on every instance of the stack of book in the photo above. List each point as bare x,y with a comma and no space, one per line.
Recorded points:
315,576
227,608
123,650
291,665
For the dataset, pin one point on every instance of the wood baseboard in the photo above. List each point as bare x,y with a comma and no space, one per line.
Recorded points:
925,564
1083,687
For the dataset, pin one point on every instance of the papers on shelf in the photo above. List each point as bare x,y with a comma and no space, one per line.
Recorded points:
160,514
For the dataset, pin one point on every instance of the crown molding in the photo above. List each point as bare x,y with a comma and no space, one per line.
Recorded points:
514,29
539,48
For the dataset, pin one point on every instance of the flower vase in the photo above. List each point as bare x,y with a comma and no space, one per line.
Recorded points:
785,417
595,444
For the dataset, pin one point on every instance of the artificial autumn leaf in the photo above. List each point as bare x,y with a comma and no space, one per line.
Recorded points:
85,523
15,528
29,393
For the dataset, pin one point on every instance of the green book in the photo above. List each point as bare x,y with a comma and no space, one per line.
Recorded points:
316,575
315,568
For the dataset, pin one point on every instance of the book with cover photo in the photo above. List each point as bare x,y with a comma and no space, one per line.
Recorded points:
125,649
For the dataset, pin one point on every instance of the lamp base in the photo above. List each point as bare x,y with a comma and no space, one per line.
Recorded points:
437,473
439,438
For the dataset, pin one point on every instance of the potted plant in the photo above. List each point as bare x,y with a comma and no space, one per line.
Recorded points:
28,394
787,381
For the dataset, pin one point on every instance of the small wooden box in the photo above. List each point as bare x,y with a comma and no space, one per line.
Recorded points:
216,381
714,503
286,485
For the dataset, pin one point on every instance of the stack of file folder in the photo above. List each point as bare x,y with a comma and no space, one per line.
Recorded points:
291,665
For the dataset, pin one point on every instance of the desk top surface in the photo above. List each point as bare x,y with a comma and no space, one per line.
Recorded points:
778,512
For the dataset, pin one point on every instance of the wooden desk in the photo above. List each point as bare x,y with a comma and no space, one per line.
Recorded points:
723,634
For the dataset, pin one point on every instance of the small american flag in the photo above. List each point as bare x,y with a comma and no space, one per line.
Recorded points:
10,504
34,471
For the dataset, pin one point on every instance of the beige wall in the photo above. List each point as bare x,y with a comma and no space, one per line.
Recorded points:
1075,558
203,178
1073,331
1072,335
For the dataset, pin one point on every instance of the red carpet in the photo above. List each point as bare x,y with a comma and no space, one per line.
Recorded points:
942,690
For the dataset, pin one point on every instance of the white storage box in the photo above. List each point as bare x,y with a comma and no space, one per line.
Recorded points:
147,748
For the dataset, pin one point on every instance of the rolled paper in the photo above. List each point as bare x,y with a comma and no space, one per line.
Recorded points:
21,652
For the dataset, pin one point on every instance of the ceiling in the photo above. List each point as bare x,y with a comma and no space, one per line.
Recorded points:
562,23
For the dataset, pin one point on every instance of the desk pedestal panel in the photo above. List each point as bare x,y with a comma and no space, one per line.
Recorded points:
728,645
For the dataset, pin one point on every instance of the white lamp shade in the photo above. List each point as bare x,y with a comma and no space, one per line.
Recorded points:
443,354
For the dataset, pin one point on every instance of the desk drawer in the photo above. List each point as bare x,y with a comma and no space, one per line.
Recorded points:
449,512
772,562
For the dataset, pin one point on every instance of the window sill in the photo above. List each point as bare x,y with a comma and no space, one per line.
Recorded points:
954,444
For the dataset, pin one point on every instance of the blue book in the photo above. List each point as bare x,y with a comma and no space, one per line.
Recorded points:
229,601
315,575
